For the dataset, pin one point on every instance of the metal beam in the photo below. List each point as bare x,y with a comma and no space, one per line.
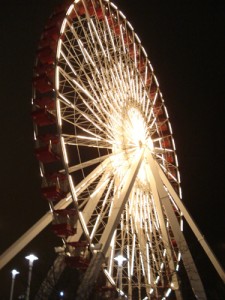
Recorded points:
154,188
120,200
41,224
193,226
188,261
51,279
30,234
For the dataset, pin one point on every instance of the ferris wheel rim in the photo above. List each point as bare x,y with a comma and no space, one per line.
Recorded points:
134,108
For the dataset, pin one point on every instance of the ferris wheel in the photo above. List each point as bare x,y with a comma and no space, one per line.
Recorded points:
107,156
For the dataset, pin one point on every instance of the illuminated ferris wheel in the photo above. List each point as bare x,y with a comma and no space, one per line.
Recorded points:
107,155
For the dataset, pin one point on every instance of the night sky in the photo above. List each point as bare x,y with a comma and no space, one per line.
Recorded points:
185,44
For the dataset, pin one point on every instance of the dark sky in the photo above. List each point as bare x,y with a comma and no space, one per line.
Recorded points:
185,44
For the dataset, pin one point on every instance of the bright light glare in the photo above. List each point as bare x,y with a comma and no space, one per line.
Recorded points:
31,258
120,259
14,273
136,130
150,144
181,225
168,292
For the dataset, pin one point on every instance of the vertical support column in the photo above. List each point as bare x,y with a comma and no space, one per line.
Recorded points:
29,281
12,288
14,273
193,226
188,261
30,234
51,279
154,188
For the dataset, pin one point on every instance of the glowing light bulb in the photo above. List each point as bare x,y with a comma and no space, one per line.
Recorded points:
120,259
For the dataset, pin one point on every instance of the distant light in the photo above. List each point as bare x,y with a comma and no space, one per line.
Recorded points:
14,273
168,292
157,279
31,258
181,225
120,259
61,293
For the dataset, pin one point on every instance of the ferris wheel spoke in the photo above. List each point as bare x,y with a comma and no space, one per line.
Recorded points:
136,78
86,164
91,73
92,136
109,163
83,50
110,33
99,61
81,89
87,141
123,76
109,27
100,108
88,117
122,34
160,150
69,64
94,85
141,238
92,176
94,31
119,77
122,46
169,173
88,207
95,208
70,55
121,198
84,183
98,38
151,104
90,132
132,84
90,41
110,108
